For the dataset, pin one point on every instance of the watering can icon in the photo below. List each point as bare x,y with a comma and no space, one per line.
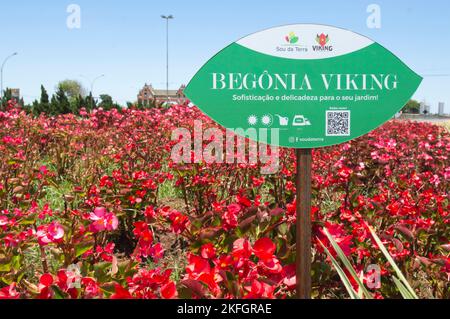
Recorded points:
284,121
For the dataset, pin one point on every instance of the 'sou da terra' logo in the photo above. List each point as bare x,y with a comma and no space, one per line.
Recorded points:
291,38
322,39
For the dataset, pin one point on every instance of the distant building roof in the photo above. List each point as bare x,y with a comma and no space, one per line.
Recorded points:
148,93
165,92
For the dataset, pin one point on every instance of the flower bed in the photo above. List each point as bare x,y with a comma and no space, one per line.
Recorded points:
94,207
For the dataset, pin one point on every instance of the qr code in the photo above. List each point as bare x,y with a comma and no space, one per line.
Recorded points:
338,123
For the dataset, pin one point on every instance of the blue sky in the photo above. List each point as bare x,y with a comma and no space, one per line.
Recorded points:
125,40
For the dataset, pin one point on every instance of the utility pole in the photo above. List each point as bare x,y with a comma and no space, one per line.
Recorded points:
1,73
168,17
92,87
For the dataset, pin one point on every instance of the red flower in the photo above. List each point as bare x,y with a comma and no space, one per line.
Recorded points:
338,233
208,251
264,248
142,232
179,222
157,252
91,287
229,218
234,209
121,293
289,276
45,283
259,290
270,265
344,173
241,248
150,212
169,291
197,265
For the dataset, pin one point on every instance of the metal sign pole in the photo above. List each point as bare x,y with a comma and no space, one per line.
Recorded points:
303,226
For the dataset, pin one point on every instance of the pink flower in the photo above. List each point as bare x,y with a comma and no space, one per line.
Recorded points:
289,276
102,220
3,220
52,233
9,292
157,252
447,173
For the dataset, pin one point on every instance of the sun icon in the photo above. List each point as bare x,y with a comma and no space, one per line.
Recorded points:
267,120
252,119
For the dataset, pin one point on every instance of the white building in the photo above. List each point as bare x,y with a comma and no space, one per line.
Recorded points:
441,109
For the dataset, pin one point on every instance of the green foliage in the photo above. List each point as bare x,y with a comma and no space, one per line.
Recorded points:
107,103
400,281
412,107
72,88
43,105
90,102
60,103
6,96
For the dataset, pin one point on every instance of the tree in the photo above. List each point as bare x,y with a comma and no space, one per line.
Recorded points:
60,103
78,103
90,102
43,105
7,95
72,88
106,102
412,107
44,95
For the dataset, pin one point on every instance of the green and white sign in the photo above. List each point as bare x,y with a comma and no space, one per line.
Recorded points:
317,85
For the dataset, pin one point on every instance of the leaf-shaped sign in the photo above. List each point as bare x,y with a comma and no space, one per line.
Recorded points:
305,93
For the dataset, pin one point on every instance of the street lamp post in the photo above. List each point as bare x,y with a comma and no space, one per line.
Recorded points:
1,73
168,17
92,87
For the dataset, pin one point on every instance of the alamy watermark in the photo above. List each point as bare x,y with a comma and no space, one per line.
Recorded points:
373,276
73,274
73,20
374,18
213,146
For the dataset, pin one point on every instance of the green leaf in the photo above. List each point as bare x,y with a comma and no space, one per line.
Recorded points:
58,292
101,270
15,262
347,264
29,220
393,264
81,248
344,279
5,267
283,229
403,290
